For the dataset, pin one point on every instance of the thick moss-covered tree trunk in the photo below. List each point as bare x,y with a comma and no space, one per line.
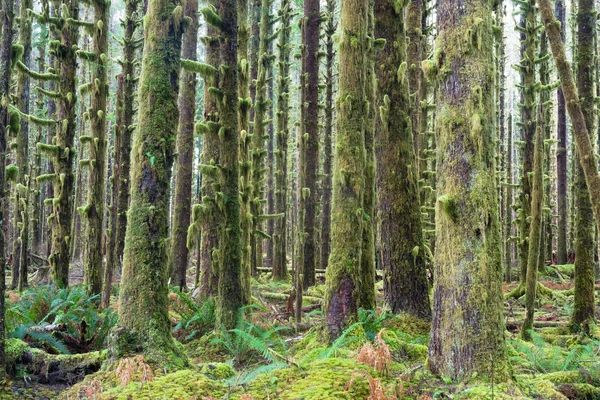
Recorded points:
535,233
62,150
21,192
468,274
399,213
97,144
343,281
6,20
280,271
330,28
561,154
185,152
143,303
583,312
231,296
309,143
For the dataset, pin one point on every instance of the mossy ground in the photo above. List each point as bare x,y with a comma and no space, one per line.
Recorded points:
555,365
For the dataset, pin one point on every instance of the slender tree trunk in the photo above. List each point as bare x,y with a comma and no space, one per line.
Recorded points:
209,243
22,188
584,309
97,144
414,34
528,53
280,271
62,149
508,202
6,20
231,296
185,153
343,273
535,234
143,302
399,213
37,215
468,275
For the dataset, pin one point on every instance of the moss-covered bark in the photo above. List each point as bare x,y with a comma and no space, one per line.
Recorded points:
468,274
584,308
308,142
125,125
21,193
367,260
185,152
231,296
528,29
414,56
209,243
280,271
6,20
143,304
36,208
508,202
343,283
93,210
62,149
330,29
535,233
561,153
402,249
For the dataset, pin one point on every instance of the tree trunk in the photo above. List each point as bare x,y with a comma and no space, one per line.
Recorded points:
584,308
231,296
143,303
535,234
343,273
6,20
185,153
399,213
97,142
467,283
283,132
561,154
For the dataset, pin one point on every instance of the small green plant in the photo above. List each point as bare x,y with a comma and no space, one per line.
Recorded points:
195,319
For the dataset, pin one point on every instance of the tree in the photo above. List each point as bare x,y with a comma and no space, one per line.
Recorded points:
126,84
6,123
185,152
330,28
21,192
231,296
584,309
561,154
308,144
283,132
401,242
143,305
343,273
97,144
467,278
535,233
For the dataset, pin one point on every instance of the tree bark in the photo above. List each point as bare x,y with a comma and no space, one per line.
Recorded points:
185,152
143,303
468,275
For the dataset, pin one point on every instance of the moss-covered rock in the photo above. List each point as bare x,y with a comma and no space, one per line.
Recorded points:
217,370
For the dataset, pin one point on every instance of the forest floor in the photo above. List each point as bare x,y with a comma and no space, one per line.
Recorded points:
58,341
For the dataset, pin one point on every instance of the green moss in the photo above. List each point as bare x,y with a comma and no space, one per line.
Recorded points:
408,324
217,370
